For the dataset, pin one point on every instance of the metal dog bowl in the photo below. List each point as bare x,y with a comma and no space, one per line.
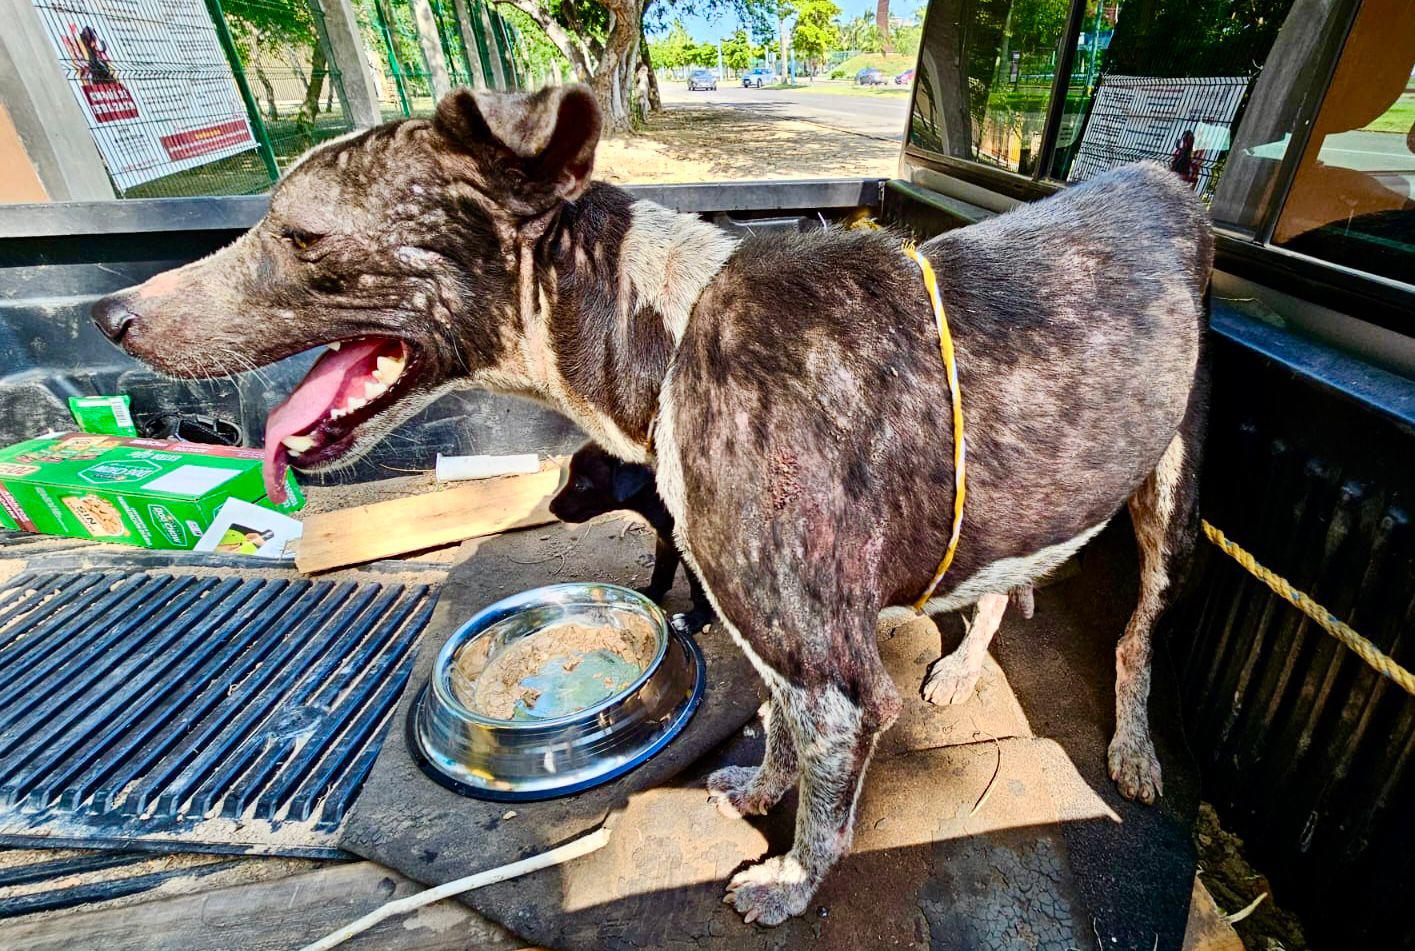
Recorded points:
526,759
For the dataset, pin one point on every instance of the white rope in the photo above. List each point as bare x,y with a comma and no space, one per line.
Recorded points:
557,856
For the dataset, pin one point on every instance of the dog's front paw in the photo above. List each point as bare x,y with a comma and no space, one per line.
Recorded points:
770,891
950,681
1135,767
654,592
736,793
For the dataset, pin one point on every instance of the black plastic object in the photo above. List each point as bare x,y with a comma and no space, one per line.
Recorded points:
141,709
189,427
48,884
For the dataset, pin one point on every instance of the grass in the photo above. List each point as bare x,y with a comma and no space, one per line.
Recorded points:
847,90
891,65
1400,117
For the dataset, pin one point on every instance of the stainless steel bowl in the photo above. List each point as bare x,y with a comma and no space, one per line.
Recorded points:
520,760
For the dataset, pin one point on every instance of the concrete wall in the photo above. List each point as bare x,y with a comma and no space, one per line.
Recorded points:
19,182
48,121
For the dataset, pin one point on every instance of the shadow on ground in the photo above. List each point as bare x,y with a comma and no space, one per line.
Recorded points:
983,826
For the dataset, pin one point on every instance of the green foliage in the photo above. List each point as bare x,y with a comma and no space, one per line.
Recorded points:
273,22
759,16
677,49
739,52
860,34
815,32
1037,24
907,37
537,53
1194,37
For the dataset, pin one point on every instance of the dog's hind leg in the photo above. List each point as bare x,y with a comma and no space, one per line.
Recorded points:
752,790
951,679
1163,511
835,735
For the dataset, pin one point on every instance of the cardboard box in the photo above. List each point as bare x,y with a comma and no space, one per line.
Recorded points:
155,493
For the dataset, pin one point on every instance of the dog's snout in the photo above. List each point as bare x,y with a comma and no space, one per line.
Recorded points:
113,317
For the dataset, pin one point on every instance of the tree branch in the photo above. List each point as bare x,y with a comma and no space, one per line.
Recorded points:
569,47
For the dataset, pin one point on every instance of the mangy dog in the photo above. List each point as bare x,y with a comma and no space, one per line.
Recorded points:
787,389
598,483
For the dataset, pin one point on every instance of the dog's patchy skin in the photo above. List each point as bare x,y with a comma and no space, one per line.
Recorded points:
803,441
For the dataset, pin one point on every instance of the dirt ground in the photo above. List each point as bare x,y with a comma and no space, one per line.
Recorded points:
1234,884
715,143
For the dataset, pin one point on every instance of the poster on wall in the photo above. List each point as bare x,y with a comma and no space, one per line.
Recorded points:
1182,123
153,81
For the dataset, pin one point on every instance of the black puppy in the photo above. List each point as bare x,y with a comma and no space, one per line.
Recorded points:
600,483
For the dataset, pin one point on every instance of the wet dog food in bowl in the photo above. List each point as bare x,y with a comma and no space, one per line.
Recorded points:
555,690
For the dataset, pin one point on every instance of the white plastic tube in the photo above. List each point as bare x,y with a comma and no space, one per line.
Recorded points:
458,468
570,850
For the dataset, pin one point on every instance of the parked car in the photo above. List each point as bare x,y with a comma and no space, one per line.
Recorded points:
701,79
905,78
870,76
756,77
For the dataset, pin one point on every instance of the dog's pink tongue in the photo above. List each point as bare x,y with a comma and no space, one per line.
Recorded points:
311,402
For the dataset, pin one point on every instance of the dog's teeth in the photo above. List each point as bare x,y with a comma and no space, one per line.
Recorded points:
336,413
335,345
373,390
297,444
389,369
354,403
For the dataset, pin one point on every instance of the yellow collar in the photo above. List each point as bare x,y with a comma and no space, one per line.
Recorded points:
960,444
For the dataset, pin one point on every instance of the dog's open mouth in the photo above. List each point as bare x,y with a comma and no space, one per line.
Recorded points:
351,382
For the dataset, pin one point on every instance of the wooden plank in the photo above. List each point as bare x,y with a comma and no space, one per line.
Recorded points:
267,916
384,529
1208,930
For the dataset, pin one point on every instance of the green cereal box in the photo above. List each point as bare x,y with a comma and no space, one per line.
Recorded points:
156,493
106,415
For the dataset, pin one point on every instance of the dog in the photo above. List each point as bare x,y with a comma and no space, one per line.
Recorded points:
474,249
598,483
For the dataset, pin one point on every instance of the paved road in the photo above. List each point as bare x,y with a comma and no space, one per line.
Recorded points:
1369,151
881,116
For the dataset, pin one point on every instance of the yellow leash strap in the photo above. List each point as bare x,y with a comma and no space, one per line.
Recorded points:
1370,653
960,444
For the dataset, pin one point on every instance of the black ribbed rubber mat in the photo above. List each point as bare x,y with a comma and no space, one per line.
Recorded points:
208,711
31,882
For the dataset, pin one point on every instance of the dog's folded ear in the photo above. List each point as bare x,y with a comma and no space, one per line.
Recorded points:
538,148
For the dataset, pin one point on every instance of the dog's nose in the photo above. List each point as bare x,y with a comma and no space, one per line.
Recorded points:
113,317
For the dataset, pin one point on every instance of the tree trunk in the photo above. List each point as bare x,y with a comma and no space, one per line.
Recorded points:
318,70
882,24
272,110
570,46
650,77
608,81
611,76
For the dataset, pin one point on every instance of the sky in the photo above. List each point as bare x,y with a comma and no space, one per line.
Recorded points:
712,29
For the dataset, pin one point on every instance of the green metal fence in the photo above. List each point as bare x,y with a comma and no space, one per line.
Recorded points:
281,61
391,29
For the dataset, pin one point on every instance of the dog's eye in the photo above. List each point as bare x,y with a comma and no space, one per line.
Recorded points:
300,240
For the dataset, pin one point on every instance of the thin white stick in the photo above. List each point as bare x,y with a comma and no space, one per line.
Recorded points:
557,856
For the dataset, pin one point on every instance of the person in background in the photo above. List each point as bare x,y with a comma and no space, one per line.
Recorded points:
1182,161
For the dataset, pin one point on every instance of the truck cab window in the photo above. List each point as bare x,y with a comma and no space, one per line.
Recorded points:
1351,198
984,81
